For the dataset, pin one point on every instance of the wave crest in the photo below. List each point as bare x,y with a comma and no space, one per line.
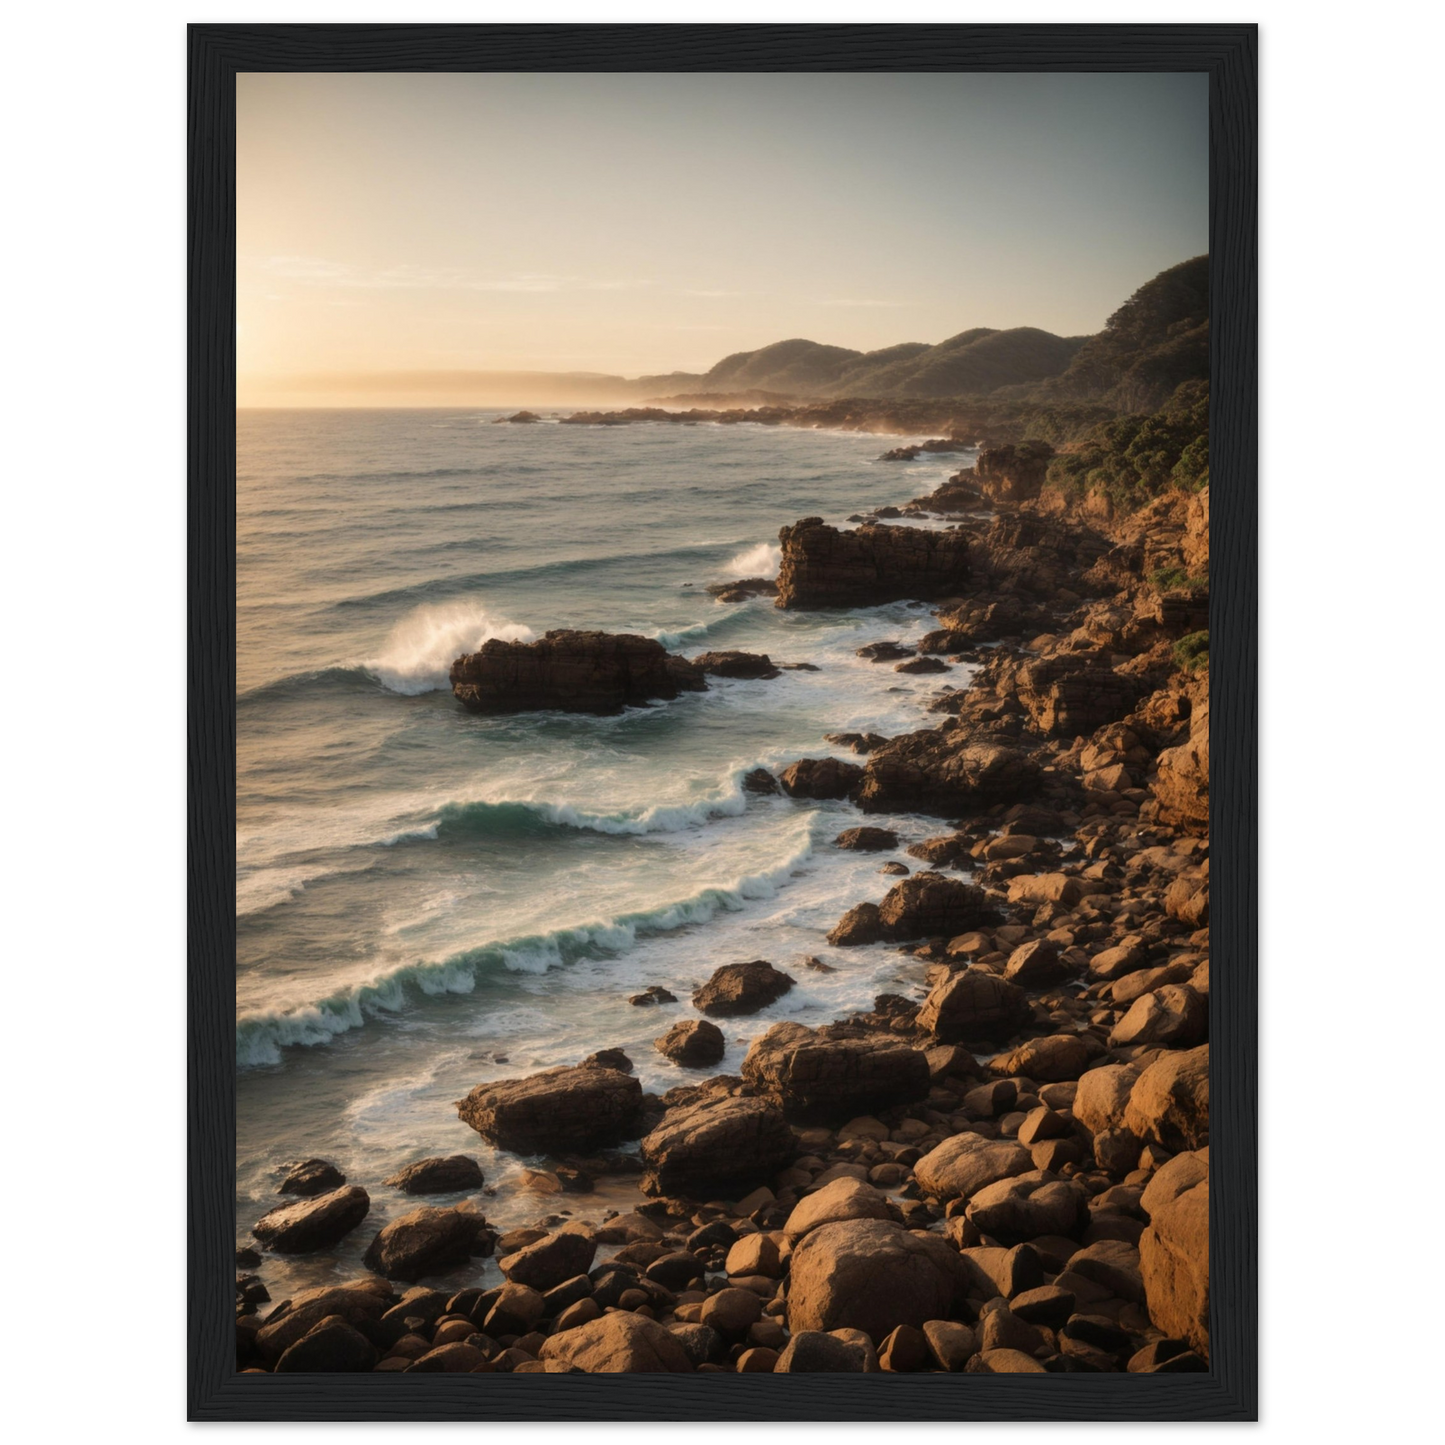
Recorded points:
764,560
422,647
261,1035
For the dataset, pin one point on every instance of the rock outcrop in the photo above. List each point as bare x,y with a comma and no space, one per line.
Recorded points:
825,567
591,672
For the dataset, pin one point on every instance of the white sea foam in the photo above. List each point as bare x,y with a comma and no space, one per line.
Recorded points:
764,560
423,645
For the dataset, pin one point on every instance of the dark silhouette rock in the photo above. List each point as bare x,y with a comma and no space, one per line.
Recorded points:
735,664
867,840
439,1176
594,672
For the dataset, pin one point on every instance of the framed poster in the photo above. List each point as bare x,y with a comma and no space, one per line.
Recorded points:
714,550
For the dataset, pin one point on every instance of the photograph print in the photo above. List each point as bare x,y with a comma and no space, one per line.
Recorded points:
722,772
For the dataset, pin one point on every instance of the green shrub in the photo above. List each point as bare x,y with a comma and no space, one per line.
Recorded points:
1192,651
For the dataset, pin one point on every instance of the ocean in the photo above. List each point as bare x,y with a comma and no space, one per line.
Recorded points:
428,899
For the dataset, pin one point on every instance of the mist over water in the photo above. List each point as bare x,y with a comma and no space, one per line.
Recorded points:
430,899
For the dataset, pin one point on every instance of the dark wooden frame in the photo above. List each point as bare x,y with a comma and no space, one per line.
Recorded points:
216,54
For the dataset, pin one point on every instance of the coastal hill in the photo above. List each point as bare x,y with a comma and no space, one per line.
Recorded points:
1157,340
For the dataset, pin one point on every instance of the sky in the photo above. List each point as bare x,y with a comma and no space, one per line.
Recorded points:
414,226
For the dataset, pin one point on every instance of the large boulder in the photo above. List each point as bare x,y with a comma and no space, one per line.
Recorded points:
620,1344
714,1143
355,1302
1173,1016
822,778
974,1004
694,1043
1169,1104
836,1071
551,1260
425,1241
845,1198
966,1163
1103,1096
447,1175
872,1275
825,567
314,1223
1052,1059
1181,784
1029,1205
924,905
596,672
1174,1250
945,772
309,1177
331,1347
741,988
560,1109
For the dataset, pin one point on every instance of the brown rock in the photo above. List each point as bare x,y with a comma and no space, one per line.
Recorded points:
1050,1059
904,1351
821,778
1174,1250
871,1275
551,1260
618,1344
973,1004
718,1141
1103,1096
736,664
311,1177
596,672
825,567
448,1175
867,840
742,988
844,1198
834,1071
425,1241
560,1109
1005,1362
1036,965
330,1347
952,1345
1169,1104
732,1311
1112,1263
694,1043
961,1166
314,1223
942,773
1025,1206
1172,1017
1045,888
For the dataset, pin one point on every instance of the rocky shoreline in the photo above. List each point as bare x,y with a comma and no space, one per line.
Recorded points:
1005,1174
